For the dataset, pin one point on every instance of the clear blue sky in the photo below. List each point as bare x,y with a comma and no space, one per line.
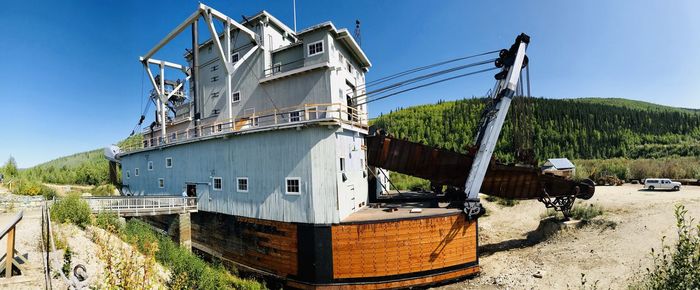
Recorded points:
71,80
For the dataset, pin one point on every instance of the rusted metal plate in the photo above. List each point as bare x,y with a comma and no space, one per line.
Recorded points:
451,168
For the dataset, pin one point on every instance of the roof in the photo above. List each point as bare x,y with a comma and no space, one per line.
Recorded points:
559,163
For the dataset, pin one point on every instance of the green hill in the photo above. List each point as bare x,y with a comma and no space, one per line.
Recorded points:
88,168
573,128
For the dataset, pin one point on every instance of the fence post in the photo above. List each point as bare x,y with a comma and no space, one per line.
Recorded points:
10,257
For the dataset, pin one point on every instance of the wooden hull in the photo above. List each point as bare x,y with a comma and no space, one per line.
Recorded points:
376,254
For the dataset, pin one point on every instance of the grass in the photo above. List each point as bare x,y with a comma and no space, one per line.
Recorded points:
676,267
407,182
502,201
103,190
578,212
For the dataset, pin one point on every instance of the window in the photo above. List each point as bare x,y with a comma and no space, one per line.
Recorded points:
214,95
316,48
277,68
169,162
214,78
313,113
161,183
347,63
362,164
236,97
218,183
150,165
136,172
341,57
293,185
214,68
128,174
294,116
234,57
342,164
242,184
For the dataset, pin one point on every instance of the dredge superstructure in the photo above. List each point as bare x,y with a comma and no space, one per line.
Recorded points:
268,128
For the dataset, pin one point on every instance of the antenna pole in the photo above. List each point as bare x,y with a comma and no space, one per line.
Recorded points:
294,3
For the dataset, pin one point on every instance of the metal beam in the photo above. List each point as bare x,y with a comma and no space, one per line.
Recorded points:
217,42
225,18
150,77
166,63
174,32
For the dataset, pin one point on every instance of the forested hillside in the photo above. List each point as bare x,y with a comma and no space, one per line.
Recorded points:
87,168
572,128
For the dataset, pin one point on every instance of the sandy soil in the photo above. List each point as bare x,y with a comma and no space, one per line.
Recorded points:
609,256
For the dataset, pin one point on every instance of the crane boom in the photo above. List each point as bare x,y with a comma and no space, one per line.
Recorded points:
492,124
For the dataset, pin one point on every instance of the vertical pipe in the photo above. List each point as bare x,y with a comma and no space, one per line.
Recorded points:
195,69
163,134
227,62
295,15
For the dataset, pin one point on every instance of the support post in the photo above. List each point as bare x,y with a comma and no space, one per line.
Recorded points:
184,224
10,257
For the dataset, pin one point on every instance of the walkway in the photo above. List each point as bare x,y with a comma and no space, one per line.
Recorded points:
129,206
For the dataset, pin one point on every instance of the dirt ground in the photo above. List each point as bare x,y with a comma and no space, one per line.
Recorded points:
609,256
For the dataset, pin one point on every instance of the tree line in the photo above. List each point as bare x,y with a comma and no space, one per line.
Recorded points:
569,128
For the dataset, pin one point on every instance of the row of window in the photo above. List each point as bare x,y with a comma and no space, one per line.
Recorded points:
168,164
292,184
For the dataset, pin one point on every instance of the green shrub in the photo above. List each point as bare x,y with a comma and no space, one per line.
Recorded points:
109,221
71,209
676,267
187,270
407,182
103,190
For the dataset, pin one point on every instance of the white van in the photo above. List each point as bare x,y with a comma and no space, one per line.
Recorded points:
661,183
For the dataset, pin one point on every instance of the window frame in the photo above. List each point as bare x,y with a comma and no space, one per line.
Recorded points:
233,100
136,171
166,162
286,186
128,174
308,48
161,182
213,183
237,57
238,184
343,166
296,118
150,166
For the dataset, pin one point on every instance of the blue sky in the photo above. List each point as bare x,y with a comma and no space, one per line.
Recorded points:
71,80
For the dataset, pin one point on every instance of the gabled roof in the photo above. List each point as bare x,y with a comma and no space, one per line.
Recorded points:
559,163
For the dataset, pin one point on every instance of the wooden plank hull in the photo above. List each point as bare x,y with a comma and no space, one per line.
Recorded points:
375,254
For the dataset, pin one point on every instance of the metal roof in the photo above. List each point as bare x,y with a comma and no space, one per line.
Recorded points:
559,163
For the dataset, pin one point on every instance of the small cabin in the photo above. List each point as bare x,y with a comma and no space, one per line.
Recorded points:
560,167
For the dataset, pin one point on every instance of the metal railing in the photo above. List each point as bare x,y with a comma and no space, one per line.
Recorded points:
142,205
335,112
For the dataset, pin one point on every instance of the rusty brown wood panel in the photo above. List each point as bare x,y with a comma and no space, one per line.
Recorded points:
266,245
452,168
389,248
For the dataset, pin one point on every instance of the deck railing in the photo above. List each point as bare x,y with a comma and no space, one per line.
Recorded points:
142,205
255,121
